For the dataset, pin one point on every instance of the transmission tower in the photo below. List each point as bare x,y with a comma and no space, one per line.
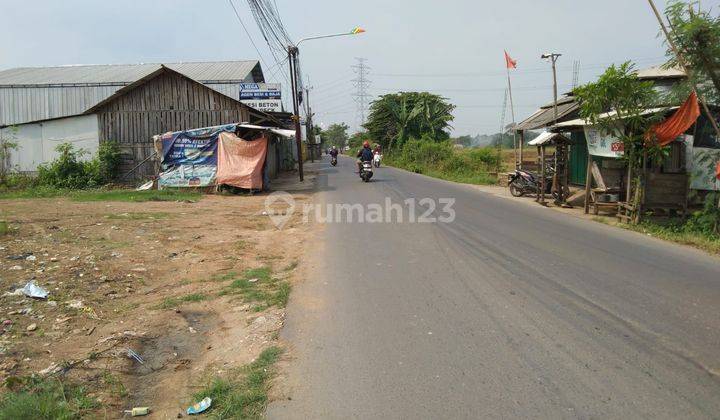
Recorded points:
361,83
576,74
498,146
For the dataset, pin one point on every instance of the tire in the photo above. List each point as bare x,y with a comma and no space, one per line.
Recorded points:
515,191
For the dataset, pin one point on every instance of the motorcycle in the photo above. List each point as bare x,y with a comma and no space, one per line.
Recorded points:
333,160
366,172
376,160
525,182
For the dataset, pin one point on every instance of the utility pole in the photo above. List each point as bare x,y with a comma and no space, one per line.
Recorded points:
553,57
292,62
361,83
308,122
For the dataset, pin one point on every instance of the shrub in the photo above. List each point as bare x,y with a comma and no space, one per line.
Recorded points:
70,171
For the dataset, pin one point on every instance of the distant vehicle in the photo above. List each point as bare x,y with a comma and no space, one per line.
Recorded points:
376,159
333,160
366,172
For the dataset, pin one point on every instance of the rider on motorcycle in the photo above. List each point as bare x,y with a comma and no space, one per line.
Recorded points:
334,152
364,155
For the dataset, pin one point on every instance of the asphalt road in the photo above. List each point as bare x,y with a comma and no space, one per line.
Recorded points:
510,311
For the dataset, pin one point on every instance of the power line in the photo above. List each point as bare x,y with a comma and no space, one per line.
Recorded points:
362,83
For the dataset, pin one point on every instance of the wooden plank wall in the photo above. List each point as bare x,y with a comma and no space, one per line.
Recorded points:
168,102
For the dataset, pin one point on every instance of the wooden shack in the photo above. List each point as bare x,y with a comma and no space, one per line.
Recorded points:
163,101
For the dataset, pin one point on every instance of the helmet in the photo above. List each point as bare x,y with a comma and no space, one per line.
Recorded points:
366,143
334,147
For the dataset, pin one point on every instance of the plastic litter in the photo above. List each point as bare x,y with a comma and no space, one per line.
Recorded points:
131,353
146,186
138,411
199,407
34,291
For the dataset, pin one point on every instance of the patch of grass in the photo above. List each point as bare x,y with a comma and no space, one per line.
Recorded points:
135,196
671,230
245,395
242,245
44,398
258,286
32,192
4,228
174,302
138,216
101,195
115,385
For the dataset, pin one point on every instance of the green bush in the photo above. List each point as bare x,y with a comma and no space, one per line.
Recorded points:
442,160
70,171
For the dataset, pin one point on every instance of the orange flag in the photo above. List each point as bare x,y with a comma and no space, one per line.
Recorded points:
509,62
717,170
668,130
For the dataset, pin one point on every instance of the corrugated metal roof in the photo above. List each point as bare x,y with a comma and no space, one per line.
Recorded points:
33,94
122,74
545,116
660,72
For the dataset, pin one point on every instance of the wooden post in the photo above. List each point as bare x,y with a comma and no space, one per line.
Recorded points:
588,184
522,141
537,160
542,174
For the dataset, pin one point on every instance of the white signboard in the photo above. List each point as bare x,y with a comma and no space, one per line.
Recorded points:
264,97
600,144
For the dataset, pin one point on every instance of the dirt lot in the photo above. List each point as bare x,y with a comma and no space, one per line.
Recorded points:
158,278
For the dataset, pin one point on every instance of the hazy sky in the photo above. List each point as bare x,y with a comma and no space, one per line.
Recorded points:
453,47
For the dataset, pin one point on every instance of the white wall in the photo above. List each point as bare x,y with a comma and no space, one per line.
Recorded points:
37,141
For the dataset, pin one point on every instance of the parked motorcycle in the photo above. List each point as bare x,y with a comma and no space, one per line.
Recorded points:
366,172
525,182
333,160
376,160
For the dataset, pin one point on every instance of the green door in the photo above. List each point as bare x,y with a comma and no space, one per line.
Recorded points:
578,158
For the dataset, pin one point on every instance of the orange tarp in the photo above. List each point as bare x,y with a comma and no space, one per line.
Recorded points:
668,130
717,170
240,162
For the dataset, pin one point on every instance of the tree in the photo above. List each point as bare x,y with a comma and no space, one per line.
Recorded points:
617,104
336,135
696,34
465,141
397,117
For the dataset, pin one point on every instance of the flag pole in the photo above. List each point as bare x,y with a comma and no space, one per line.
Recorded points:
512,113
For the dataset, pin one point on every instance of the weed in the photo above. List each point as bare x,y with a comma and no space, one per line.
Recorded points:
115,385
258,286
43,398
171,302
243,397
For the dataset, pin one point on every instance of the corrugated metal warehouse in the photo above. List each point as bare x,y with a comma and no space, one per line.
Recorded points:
129,103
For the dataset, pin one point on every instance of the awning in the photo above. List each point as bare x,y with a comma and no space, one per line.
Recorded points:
546,137
279,131
579,122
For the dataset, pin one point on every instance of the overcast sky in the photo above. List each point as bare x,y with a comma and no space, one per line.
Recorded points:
453,47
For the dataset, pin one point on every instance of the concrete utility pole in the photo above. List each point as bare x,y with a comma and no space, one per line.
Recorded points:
292,62
553,57
361,83
309,123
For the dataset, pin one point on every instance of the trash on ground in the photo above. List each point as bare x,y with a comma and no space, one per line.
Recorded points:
34,291
199,407
131,353
32,327
146,186
138,411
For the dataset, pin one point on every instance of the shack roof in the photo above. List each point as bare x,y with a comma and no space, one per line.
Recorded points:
123,74
545,116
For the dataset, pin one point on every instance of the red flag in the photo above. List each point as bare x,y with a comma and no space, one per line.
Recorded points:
717,170
509,62
668,130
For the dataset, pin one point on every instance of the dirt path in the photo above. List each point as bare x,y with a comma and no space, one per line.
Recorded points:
154,277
